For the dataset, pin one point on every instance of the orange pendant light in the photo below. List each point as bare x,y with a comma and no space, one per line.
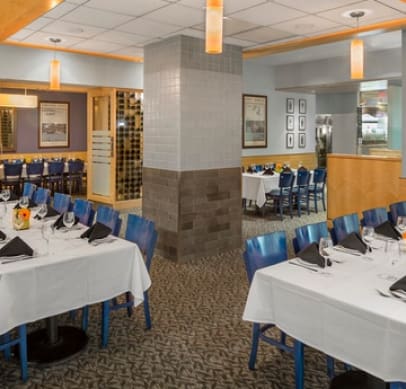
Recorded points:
357,52
55,70
214,26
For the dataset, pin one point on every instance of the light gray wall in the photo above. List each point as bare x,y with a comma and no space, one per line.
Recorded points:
344,138
329,103
27,64
260,80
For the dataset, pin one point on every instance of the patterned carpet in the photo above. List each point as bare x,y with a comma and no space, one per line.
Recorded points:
198,339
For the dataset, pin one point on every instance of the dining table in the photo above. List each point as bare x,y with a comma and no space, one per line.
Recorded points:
346,310
65,274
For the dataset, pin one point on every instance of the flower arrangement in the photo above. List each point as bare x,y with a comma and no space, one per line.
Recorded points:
278,168
21,218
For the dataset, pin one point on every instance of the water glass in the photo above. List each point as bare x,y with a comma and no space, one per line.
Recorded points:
368,234
324,245
68,219
24,202
392,250
401,225
5,195
47,231
42,210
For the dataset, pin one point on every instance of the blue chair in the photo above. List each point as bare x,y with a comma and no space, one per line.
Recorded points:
262,251
84,211
6,342
54,179
397,209
343,226
12,177
29,189
282,197
317,189
41,196
301,190
62,202
374,217
142,232
308,234
109,217
35,171
74,177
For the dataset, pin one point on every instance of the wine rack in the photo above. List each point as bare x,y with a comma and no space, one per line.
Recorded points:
129,145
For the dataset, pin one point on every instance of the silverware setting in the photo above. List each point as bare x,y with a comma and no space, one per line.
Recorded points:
304,266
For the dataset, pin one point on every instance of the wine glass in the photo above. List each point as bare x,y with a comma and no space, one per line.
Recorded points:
401,225
47,232
368,234
68,219
325,244
392,250
5,195
3,211
24,201
42,211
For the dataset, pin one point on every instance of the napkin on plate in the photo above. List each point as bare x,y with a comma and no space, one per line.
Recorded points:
353,242
15,247
268,172
311,255
3,236
399,285
59,222
96,231
51,212
386,229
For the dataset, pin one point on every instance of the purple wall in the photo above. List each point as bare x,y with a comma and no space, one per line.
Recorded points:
28,122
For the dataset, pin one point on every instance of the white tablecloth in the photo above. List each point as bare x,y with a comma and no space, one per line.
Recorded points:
254,186
341,314
73,275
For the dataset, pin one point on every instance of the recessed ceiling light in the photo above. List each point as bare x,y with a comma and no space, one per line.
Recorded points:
347,14
55,40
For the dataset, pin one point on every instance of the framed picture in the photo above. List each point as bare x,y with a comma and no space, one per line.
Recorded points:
302,123
290,105
302,106
53,124
290,142
254,119
290,122
302,140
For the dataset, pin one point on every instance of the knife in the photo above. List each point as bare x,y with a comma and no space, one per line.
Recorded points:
304,266
347,251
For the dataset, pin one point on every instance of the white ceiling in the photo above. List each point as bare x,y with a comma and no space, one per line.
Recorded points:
124,27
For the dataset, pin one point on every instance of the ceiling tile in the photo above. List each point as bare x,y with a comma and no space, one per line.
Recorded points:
178,15
237,42
399,5
97,46
60,10
132,51
20,35
39,23
94,17
76,1
148,28
267,14
42,38
238,5
189,32
263,34
200,4
123,38
314,6
233,26
306,25
127,7
79,30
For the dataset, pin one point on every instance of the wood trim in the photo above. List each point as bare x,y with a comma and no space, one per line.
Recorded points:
43,86
296,44
308,160
16,14
40,154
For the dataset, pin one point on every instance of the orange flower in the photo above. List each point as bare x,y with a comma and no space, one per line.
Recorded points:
24,214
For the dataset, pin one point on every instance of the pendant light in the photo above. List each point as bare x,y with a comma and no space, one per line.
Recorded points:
357,52
214,26
55,69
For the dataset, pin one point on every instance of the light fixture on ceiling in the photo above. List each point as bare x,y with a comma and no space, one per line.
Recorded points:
55,69
214,26
9,100
357,51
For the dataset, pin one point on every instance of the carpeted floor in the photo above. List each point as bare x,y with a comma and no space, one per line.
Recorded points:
198,339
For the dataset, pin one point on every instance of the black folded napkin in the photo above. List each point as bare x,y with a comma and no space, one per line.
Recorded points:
386,229
353,242
31,204
16,246
51,212
268,172
13,197
59,222
399,284
2,235
96,231
311,254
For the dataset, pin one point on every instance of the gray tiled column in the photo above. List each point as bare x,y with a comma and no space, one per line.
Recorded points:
192,146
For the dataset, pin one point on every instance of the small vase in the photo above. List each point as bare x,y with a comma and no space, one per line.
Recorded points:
21,218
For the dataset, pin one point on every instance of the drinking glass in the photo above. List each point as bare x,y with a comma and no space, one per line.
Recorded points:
68,219
42,210
5,195
3,211
47,232
24,202
368,234
401,225
392,250
324,245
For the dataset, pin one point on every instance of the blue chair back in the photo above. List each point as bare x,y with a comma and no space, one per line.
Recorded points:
62,202
13,169
286,179
29,189
41,196
344,225
374,217
75,166
310,233
142,232
264,250
84,211
397,209
109,217
303,177
35,169
319,176
56,168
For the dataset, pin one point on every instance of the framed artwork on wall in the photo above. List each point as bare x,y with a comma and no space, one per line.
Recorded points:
302,123
290,140
290,122
302,140
290,105
254,119
53,124
302,106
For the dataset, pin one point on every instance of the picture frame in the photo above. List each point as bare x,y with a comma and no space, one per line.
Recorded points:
290,105
302,123
302,140
254,119
290,122
302,106
290,140
53,128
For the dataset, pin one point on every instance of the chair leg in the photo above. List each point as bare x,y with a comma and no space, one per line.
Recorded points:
105,323
22,331
85,318
129,300
315,202
7,351
147,314
323,200
299,364
330,367
298,203
283,338
256,330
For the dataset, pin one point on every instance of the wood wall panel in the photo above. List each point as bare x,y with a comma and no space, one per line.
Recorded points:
64,154
356,183
308,160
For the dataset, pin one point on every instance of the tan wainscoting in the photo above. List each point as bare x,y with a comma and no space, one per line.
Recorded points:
359,182
385,152
64,154
308,160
